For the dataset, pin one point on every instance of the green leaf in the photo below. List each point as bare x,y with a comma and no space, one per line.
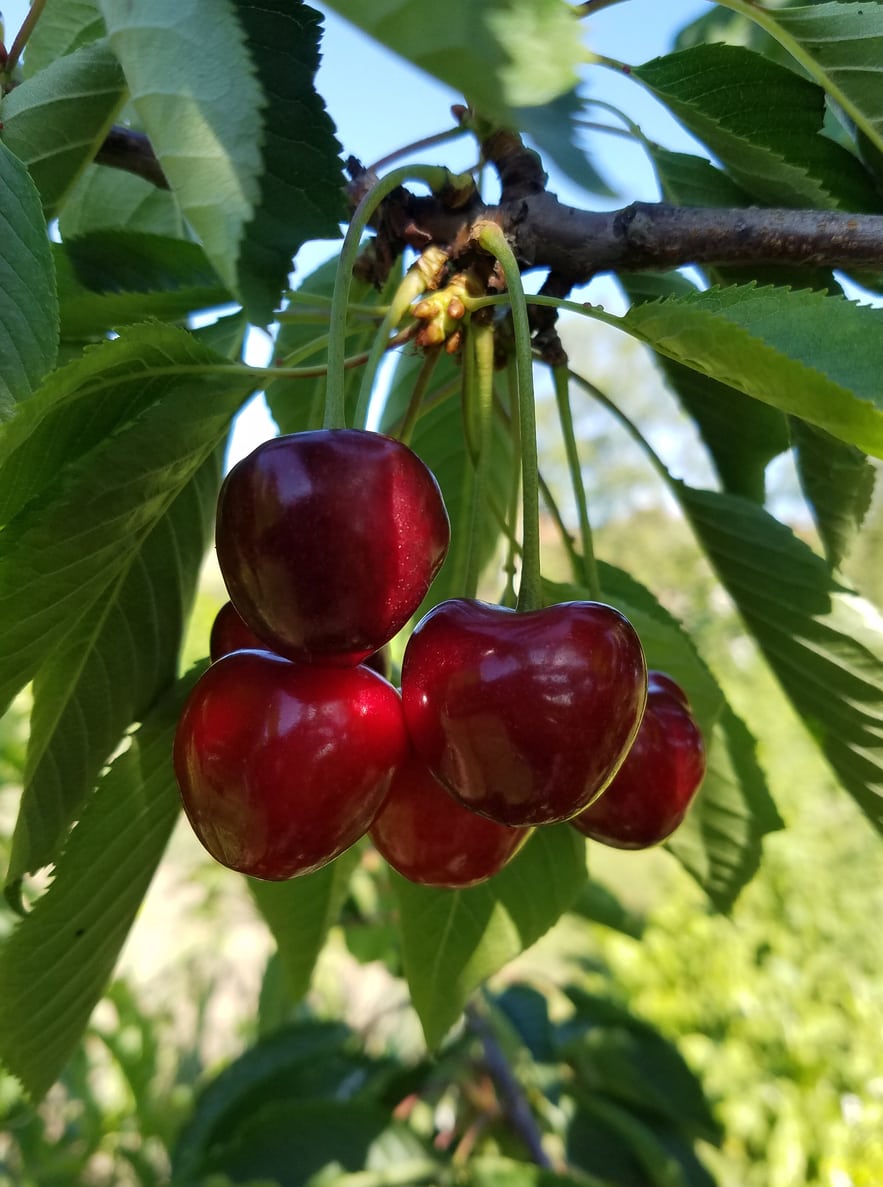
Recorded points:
108,670
763,122
302,182
824,644
742,435
687,180
841,46
838,483
92,463
502,1172
554,127
64,26
111,278
300,914
719,843
108,199
56,964
207,135
309,1060
819,357
57,120
452,940
620,1056
28,303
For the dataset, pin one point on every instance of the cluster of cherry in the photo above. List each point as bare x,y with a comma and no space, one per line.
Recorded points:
294,744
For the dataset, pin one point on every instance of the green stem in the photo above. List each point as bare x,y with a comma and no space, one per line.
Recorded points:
22,36
576,562
436,177
565,415
513,553
530,593
482,343
415,404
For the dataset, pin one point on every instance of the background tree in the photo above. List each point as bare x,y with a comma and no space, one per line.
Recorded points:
161,167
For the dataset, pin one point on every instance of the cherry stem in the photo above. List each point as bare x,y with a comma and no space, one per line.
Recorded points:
510,596
565,415
415,404
418,146
436,177
23,35
530,594
630,427
481,340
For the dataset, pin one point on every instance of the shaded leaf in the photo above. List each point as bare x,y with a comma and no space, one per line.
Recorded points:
824,644
208,133
838,483
109,199
763,122
56,964
57,120
300,913
819,357
302,182
28,303
452,940
108,670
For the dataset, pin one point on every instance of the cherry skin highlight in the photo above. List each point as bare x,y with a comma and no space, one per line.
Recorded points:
650,794
283,766
328,542
525,718
430,838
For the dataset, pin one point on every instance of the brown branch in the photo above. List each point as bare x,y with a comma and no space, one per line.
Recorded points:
126,149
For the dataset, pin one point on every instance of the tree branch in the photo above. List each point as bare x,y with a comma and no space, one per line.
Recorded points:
511,1095
126,149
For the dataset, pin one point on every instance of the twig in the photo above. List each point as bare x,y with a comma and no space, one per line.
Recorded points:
510,1093
124,148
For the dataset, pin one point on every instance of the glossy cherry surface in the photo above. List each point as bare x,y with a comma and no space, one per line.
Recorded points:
282,766
430,838
654,787
524,717
328,541
231,633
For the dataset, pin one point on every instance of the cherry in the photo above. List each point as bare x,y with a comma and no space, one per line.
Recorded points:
328,541
230,633
650,794
525,717
430,838
282,766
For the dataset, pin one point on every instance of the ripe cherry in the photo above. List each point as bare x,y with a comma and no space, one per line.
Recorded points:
231,633
328,541
525,717
430,838
282,766
650,794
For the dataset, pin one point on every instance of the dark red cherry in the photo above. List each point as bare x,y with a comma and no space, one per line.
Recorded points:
430,838
230,633
283,766
650,794
526,717
328,541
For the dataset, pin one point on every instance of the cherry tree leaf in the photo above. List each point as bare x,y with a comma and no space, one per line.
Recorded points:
452,940
822,641
57,962
108,199
28,302
300,913
89,467
64,26
108,670
57,120
764,123
813,355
